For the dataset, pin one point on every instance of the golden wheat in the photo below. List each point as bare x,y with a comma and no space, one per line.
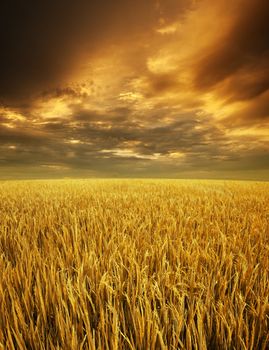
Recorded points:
134,264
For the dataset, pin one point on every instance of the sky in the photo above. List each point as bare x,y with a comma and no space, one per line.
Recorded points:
134,88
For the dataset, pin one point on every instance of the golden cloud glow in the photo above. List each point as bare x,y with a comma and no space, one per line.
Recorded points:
55,107
180,86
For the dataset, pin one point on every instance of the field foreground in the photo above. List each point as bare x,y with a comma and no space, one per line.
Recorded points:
134,264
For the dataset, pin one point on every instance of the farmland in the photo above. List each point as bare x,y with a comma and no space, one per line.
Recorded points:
134,264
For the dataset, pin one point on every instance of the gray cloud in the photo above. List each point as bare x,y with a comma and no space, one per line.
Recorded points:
135,121
43,42
124,148
245,46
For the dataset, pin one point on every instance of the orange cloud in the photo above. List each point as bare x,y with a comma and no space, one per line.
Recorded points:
168,84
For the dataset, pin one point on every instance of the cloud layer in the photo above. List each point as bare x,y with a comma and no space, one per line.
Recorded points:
162,88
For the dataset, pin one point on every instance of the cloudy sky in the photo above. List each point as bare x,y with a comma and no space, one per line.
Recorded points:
134,88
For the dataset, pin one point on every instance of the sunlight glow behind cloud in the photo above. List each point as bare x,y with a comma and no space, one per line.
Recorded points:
173,89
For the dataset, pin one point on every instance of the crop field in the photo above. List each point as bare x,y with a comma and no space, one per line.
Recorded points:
134,264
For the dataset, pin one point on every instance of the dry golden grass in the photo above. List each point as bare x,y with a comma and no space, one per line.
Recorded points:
134,264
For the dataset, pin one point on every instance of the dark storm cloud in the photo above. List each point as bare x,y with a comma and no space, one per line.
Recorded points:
248,83
116,115
61,147
255,111
19,136
64,92
185,134
105,88
42,41
159,84
241,57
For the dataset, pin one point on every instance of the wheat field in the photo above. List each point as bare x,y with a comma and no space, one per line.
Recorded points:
134,264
